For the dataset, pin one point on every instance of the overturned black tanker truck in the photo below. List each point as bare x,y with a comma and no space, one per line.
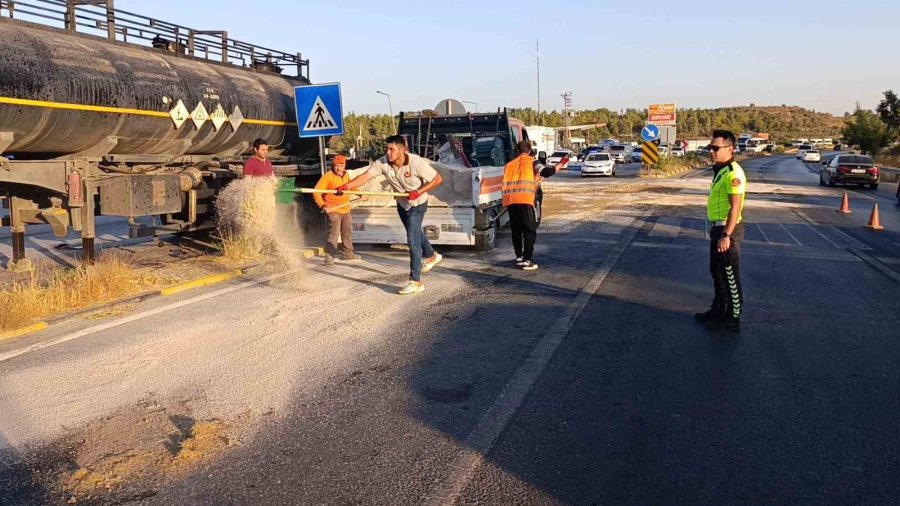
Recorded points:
107,112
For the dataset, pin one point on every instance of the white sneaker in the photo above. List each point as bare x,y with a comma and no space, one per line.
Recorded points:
412,287
528,265
431,262
520,261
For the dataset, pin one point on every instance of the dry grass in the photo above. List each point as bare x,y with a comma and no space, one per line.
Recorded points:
237,250
47,289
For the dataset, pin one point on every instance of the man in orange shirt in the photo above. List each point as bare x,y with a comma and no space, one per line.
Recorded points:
337,208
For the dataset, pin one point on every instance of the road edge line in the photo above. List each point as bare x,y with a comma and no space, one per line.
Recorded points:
143,314
873,262
211,279
21,331
479,442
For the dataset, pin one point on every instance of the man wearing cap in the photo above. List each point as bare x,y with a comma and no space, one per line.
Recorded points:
723,210
411,174
337,209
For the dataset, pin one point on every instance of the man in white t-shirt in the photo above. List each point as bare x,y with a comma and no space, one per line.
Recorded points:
414,175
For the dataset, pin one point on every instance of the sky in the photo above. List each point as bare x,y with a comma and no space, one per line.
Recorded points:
824,55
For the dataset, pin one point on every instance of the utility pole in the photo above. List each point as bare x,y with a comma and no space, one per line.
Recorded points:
537,52
567,118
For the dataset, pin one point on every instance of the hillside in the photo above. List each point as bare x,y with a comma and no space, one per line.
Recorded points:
782,122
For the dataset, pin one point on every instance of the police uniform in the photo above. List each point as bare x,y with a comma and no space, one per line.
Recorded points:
725,267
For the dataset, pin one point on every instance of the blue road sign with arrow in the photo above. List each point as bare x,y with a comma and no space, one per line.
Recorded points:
319,110
650,133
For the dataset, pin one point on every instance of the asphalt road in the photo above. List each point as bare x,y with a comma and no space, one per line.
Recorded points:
585,382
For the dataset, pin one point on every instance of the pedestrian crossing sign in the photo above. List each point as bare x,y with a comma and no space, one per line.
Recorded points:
319,110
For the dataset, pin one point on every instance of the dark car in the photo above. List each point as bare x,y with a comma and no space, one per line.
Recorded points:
588,150
846,169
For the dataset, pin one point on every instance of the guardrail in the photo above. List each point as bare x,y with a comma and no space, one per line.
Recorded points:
890,174
101,19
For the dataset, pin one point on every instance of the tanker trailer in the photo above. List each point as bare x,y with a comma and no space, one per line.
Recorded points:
107,112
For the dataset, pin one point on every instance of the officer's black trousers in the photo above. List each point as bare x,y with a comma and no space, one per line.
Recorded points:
726,273
524,229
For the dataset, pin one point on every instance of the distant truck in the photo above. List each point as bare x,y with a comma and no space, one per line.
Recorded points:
753,143
694,144
543,139
469,151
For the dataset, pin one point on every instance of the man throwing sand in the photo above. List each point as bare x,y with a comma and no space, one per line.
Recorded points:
414,175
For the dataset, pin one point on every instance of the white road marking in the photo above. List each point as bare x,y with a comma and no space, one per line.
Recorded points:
851,241
763,233
666,226
823,236
138,316
790,234
482,438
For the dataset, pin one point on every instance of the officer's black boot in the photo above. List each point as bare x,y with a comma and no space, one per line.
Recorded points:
728,323
708,316
716,312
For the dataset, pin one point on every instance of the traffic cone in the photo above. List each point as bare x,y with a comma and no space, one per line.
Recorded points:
845,205
875,219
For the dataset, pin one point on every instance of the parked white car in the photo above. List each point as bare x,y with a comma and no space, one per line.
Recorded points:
677,152
811,155
601,164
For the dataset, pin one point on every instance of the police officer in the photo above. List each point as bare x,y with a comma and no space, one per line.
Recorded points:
723,210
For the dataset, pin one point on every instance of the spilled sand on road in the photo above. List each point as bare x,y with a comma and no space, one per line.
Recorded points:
122,457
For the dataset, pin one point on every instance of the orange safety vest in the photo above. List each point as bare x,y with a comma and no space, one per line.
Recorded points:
518,181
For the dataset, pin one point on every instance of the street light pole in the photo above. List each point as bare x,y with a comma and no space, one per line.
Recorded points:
390,108
473,103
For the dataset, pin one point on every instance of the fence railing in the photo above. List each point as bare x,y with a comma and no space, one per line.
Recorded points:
100,18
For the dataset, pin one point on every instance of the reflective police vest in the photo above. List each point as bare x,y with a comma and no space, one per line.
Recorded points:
518,181
729,180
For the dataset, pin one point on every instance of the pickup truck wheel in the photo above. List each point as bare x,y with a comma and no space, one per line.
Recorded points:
873,186
486,240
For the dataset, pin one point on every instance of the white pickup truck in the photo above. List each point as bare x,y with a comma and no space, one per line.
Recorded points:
467,209
458,209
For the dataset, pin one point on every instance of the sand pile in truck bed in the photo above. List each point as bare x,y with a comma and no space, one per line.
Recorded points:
247,212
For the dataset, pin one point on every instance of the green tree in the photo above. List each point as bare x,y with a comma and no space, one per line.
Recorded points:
889,111
865,129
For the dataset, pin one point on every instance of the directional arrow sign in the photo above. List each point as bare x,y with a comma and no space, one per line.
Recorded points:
650,133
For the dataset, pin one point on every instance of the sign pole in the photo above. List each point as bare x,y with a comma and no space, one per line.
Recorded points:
322,154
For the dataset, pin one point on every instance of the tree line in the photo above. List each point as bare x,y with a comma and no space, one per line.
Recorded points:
874,130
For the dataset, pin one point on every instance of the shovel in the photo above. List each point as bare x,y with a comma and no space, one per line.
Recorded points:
490,223
348,192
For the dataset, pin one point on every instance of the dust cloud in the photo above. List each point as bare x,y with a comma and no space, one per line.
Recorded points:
249,214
